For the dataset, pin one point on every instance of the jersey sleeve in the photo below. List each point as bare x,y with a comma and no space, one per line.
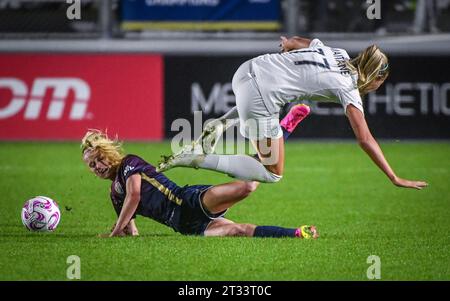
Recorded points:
351,97
131,165
315,43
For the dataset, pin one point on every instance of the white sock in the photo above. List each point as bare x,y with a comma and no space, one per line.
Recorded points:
238,166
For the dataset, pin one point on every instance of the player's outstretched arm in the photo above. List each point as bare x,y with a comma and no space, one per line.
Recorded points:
295,42
130,204
371,147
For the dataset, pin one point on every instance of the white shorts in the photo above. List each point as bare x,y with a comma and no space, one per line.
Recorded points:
256,122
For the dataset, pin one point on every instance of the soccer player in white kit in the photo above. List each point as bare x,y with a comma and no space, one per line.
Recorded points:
304,70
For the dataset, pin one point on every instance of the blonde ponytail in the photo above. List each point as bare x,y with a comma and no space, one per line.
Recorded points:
370,65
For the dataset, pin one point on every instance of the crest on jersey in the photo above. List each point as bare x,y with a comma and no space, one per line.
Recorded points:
118,188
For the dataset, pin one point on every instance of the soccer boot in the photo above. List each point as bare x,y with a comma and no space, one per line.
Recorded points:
307,232
212,133
188,156
296,114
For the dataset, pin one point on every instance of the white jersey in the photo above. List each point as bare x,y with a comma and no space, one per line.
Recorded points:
315,73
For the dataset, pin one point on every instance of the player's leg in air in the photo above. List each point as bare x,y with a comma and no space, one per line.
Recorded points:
258,123
199,154
218,199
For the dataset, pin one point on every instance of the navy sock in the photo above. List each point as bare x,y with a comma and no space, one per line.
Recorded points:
285,133
273,231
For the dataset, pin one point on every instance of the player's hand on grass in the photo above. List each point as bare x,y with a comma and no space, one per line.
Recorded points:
409,184
106,235
131,231
110,234
119,234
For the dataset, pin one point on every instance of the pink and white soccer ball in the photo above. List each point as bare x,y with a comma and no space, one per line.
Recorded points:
41,214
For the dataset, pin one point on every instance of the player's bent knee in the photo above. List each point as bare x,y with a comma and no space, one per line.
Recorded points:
238,230
248,188
251,186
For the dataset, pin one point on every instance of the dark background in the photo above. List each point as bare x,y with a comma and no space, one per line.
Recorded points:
181,72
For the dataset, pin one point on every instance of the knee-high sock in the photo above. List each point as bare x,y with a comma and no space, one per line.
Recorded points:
237,166
274,231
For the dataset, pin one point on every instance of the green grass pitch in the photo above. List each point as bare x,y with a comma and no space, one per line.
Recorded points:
332,185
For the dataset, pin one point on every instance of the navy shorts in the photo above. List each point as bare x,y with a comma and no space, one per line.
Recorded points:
191,218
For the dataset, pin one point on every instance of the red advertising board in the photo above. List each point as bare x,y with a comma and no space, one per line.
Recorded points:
60,96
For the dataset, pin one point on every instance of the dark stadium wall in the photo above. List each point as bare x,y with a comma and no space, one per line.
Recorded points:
141,97
414,103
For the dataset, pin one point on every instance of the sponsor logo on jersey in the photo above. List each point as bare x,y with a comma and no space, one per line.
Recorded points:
127,169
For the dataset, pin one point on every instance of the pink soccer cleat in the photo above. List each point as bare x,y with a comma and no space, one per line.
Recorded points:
307,232
295,115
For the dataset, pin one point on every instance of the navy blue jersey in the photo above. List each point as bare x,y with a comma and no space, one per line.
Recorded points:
159,195
162,200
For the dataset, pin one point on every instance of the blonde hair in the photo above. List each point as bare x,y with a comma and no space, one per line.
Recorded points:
98,142
370,65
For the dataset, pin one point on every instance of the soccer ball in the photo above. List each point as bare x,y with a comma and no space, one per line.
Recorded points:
40,214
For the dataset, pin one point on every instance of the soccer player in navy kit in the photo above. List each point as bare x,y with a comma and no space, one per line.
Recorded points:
137,188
